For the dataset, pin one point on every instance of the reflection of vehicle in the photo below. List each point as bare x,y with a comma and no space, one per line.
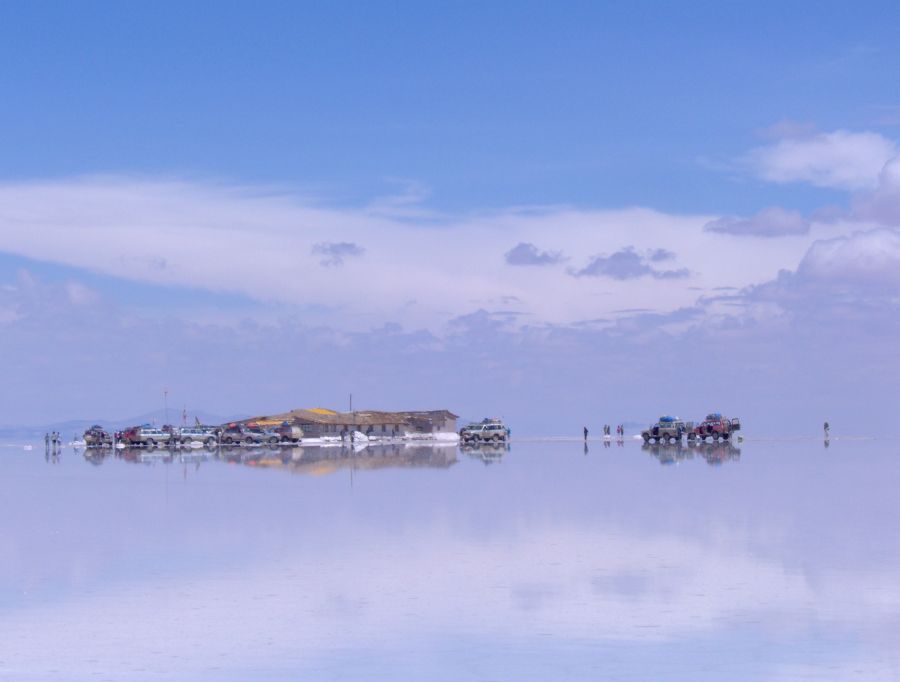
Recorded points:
249,434
715,426
717,453
713,453
666,430
487,451
488,430
148,435
200,434
96,437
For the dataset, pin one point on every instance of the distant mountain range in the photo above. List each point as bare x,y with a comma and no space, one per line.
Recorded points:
77,427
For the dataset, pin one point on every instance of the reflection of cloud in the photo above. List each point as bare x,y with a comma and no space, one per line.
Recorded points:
413,591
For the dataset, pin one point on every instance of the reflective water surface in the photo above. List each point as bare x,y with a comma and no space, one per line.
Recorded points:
760,560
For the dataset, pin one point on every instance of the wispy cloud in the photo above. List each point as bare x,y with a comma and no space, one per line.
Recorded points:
770,222
335,252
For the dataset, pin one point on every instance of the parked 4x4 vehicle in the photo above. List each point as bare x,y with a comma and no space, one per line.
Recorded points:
667,430
489,430
207,435
715,426
97,436
147,435
240,433
289,433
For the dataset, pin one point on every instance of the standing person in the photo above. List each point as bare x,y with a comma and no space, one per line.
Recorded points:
47,442
827,431
585,434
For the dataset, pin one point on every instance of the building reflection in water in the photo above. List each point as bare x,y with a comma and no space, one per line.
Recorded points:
715,454
312,460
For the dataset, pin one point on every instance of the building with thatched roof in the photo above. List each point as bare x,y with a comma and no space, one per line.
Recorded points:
317,422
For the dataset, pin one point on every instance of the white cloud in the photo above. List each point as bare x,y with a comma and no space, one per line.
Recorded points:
883,204
840,159
866,259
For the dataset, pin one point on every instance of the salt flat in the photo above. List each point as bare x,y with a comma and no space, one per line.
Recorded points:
769,560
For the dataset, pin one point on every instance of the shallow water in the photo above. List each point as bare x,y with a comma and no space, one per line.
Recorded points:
774,560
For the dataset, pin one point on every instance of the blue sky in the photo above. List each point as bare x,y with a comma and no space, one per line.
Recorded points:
489,104
505,187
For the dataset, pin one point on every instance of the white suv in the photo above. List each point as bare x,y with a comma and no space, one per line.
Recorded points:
150,435
490,431
201,434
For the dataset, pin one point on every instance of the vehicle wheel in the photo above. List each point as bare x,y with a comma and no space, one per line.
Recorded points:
229,441
646,439
273,440
249,441
724,436
496,439
210,442
151,443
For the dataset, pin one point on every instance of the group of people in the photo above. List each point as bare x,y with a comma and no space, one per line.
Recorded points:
607,431
620,430
52,446
52,439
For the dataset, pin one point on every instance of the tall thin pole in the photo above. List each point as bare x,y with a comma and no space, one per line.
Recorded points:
166,402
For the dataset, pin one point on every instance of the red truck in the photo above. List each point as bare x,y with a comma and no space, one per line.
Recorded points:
716,427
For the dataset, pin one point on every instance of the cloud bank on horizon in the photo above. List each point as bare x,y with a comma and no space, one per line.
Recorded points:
356,267
518,301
